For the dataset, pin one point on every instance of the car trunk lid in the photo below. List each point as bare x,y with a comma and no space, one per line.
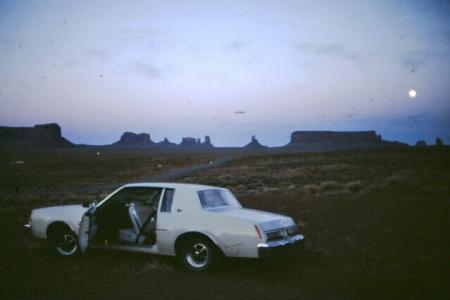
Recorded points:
266,220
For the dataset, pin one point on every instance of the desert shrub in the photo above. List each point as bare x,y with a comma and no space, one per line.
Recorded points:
353,187
153,264
330,185
397,177
254,184
266,180
421,144
241,187
393,180
284,184
251,192
311,189
266,189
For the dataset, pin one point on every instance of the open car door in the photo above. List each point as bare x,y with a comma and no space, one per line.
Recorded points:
87,230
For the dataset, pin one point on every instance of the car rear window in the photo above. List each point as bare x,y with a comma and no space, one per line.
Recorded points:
212,198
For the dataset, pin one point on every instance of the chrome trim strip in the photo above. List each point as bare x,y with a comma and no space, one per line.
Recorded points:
292,240
151,249
280,229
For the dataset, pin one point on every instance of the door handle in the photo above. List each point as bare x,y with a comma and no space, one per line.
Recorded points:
179,210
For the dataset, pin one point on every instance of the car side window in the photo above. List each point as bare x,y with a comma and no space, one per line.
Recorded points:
147,196
166,205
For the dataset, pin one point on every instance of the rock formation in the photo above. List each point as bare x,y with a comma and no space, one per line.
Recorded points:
207,142
196,143
49,135
421,143
334,137
166,144
328,140
439,142
254,145
188,142
134,139
44,135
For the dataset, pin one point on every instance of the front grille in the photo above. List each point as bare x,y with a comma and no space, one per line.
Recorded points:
281,233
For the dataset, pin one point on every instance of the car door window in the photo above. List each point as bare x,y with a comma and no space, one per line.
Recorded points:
166,205
146,196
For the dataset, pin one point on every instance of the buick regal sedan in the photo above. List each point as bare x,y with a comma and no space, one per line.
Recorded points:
196,223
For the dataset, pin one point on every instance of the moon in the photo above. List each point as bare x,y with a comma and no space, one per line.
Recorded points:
412,94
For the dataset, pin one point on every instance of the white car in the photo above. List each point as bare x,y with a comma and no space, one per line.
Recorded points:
197,223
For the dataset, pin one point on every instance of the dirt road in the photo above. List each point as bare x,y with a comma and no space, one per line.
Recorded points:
167,176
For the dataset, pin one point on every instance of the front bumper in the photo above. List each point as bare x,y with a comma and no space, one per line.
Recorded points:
27,229
280,247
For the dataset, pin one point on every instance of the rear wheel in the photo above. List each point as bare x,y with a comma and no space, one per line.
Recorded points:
65,242
197,254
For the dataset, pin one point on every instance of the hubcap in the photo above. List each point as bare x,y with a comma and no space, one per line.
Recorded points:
67,245
197,256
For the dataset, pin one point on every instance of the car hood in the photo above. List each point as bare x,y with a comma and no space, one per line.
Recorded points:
62,211
266,220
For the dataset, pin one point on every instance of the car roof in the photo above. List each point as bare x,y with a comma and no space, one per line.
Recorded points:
170,185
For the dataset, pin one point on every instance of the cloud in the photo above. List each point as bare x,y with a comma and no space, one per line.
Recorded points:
413,62
416,116
235,46
99,55
147,69
139,33
417,59
327,49
153,72
9,44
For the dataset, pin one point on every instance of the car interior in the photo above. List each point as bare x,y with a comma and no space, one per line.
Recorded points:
128,217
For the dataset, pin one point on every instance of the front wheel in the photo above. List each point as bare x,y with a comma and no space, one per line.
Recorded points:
198,254
65,242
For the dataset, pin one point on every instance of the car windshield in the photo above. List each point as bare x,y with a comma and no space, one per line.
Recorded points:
213,198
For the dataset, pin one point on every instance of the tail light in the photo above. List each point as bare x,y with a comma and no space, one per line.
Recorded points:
258,232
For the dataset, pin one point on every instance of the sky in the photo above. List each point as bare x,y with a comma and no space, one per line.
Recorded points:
227,69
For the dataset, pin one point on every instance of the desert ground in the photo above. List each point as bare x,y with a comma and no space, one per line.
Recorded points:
376,222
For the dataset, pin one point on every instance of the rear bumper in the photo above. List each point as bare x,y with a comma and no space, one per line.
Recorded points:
280,247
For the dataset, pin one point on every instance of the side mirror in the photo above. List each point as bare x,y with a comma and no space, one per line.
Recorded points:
90,204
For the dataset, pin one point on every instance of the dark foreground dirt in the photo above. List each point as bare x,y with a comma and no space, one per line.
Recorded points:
380,231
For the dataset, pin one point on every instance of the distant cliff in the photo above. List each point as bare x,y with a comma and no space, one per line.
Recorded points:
134,139
333,137
44,135
338,140
49,135
143,140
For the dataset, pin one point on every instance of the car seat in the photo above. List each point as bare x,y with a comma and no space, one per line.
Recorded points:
131,234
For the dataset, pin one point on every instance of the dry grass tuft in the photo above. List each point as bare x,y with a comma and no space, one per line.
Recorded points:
353,187
152,265
311,189
329,186
395,178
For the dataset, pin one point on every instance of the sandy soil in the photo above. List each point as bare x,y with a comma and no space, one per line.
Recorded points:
376,222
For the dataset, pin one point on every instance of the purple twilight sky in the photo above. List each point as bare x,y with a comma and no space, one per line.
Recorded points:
228,69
